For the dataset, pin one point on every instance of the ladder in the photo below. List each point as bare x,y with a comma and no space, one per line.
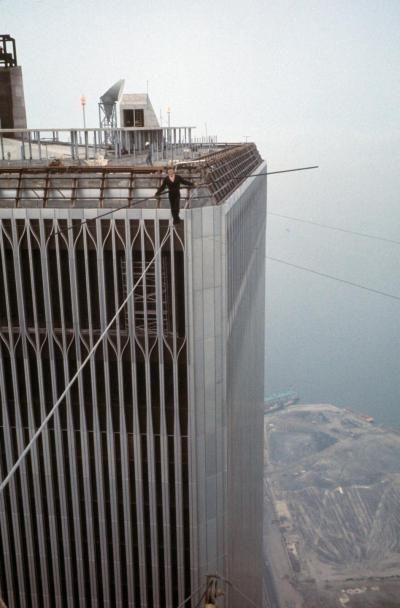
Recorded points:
145,297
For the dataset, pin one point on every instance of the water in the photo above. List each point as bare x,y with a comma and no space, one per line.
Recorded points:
331,342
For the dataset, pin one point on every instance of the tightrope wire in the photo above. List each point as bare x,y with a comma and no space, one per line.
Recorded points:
191,595
148,198
333,278
320,225
225,580
98,217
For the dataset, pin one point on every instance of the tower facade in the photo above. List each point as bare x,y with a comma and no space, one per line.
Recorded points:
149,474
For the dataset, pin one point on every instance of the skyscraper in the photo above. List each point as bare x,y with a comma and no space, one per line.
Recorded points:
149,474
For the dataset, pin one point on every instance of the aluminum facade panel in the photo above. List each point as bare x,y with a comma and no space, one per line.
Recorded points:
226,315
102,499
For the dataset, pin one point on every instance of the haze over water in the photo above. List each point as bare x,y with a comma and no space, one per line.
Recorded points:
329,341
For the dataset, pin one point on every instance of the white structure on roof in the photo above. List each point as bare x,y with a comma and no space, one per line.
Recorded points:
108,105
136,111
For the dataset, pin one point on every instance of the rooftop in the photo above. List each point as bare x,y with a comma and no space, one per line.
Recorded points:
123,182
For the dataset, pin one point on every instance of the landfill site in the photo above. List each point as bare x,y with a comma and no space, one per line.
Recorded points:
332,517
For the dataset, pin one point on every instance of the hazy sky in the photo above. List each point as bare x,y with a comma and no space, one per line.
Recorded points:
311,82
293,75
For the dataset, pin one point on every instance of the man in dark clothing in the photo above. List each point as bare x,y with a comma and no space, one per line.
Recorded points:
149,157
173,183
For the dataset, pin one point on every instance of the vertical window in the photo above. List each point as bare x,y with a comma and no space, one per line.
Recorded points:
139,118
